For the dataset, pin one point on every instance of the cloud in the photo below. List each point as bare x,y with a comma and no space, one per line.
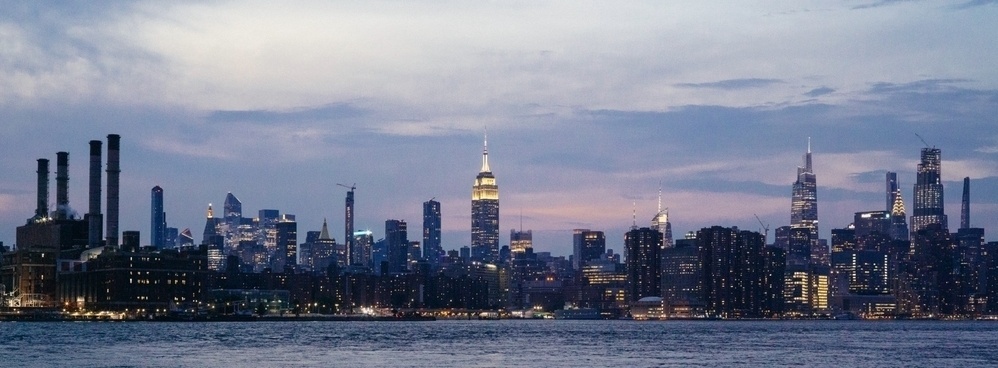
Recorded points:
734,84
821,91
975,3
882,3
334,111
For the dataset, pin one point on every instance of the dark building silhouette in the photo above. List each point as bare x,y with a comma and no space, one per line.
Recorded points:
485,213
682,278
965,205
928,192
397,238
349,242
587,245
433,252
158,216
287,244
741,276
643,247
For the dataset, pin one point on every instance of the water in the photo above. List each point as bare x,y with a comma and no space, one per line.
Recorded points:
508,343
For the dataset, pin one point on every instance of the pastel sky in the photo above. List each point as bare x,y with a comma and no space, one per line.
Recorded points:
588,106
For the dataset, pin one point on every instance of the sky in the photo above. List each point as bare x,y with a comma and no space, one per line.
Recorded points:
590,108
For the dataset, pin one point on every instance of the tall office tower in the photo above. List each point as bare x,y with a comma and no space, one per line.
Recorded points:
892,188
397,237
432,250
113,172
485,213
158,216
643,249
94,217
267,220
348,233
928,208
661,222
804,207
233,211
287,244
171,236
899,221
520,241
363,244
324,249
965,205
587,246
210,226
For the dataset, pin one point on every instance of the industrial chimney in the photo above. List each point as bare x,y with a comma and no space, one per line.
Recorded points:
94,217
113,171
62,186
42,209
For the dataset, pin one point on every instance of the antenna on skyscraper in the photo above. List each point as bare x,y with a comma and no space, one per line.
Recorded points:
923,140
634,215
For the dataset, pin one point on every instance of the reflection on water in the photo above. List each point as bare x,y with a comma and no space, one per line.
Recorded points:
540,343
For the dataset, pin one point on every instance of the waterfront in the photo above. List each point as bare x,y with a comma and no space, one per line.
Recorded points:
536,343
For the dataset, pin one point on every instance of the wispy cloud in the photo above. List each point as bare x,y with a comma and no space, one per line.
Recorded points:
975,3
882,3
334,111
820,91
734,84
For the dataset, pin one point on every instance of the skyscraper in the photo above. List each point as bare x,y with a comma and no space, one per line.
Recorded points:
520,241
485,213
892,188
397,237
587,246
661,222
158,216
928,208
363,241
233,211
643,249
804,206
899,221
965,205
287,244
210,226
348,233
432,251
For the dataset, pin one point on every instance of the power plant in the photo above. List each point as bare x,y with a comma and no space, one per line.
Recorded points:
29,273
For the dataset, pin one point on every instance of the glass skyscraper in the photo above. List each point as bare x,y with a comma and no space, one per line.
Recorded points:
432,250
928,204
158,228
485,213
804,207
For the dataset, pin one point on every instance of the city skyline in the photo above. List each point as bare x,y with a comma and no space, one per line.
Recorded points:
581,126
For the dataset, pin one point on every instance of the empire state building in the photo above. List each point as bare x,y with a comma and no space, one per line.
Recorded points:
485,213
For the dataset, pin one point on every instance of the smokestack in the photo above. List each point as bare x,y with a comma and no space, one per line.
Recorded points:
62,185
113,159
42,209
965,208
94,216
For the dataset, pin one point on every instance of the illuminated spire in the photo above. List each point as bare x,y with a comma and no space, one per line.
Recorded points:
485,153
634,215
659,196
211,214
898,209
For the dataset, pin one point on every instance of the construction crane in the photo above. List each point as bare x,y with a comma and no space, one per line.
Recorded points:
351,187
923,140
765,239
